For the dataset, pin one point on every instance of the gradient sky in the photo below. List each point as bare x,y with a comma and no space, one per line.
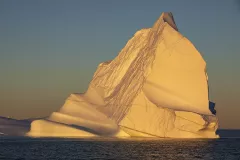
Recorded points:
49,49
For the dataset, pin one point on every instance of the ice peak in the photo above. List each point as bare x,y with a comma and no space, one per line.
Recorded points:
168,18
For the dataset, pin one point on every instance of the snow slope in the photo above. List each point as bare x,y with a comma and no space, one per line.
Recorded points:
156,87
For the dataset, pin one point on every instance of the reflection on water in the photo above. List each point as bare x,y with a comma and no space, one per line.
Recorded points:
110,148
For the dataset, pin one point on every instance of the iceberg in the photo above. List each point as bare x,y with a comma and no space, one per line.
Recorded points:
157,86
13,127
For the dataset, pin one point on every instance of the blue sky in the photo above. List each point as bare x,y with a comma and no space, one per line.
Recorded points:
49,49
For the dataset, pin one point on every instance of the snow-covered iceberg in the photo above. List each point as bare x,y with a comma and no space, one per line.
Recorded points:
156,87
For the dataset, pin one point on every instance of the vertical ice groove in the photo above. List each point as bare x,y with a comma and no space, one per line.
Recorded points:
119,100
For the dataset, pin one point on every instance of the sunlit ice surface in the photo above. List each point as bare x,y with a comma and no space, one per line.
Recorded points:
156,87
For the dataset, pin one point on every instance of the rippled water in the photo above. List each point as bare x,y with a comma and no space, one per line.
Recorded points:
49,148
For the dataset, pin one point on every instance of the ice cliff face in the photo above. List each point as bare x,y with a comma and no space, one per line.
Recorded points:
156,87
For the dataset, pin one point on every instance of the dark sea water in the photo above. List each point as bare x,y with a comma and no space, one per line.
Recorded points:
23,148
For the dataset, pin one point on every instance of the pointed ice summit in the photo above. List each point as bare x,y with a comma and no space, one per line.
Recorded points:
157,86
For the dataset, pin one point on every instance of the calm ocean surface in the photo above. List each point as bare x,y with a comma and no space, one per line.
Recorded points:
20,148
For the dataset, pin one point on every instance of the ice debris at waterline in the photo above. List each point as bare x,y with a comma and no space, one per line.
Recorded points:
156,87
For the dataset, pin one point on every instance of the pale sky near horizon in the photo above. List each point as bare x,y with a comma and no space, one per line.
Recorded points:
49,49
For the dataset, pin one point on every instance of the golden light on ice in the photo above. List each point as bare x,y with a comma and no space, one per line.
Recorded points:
156,87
